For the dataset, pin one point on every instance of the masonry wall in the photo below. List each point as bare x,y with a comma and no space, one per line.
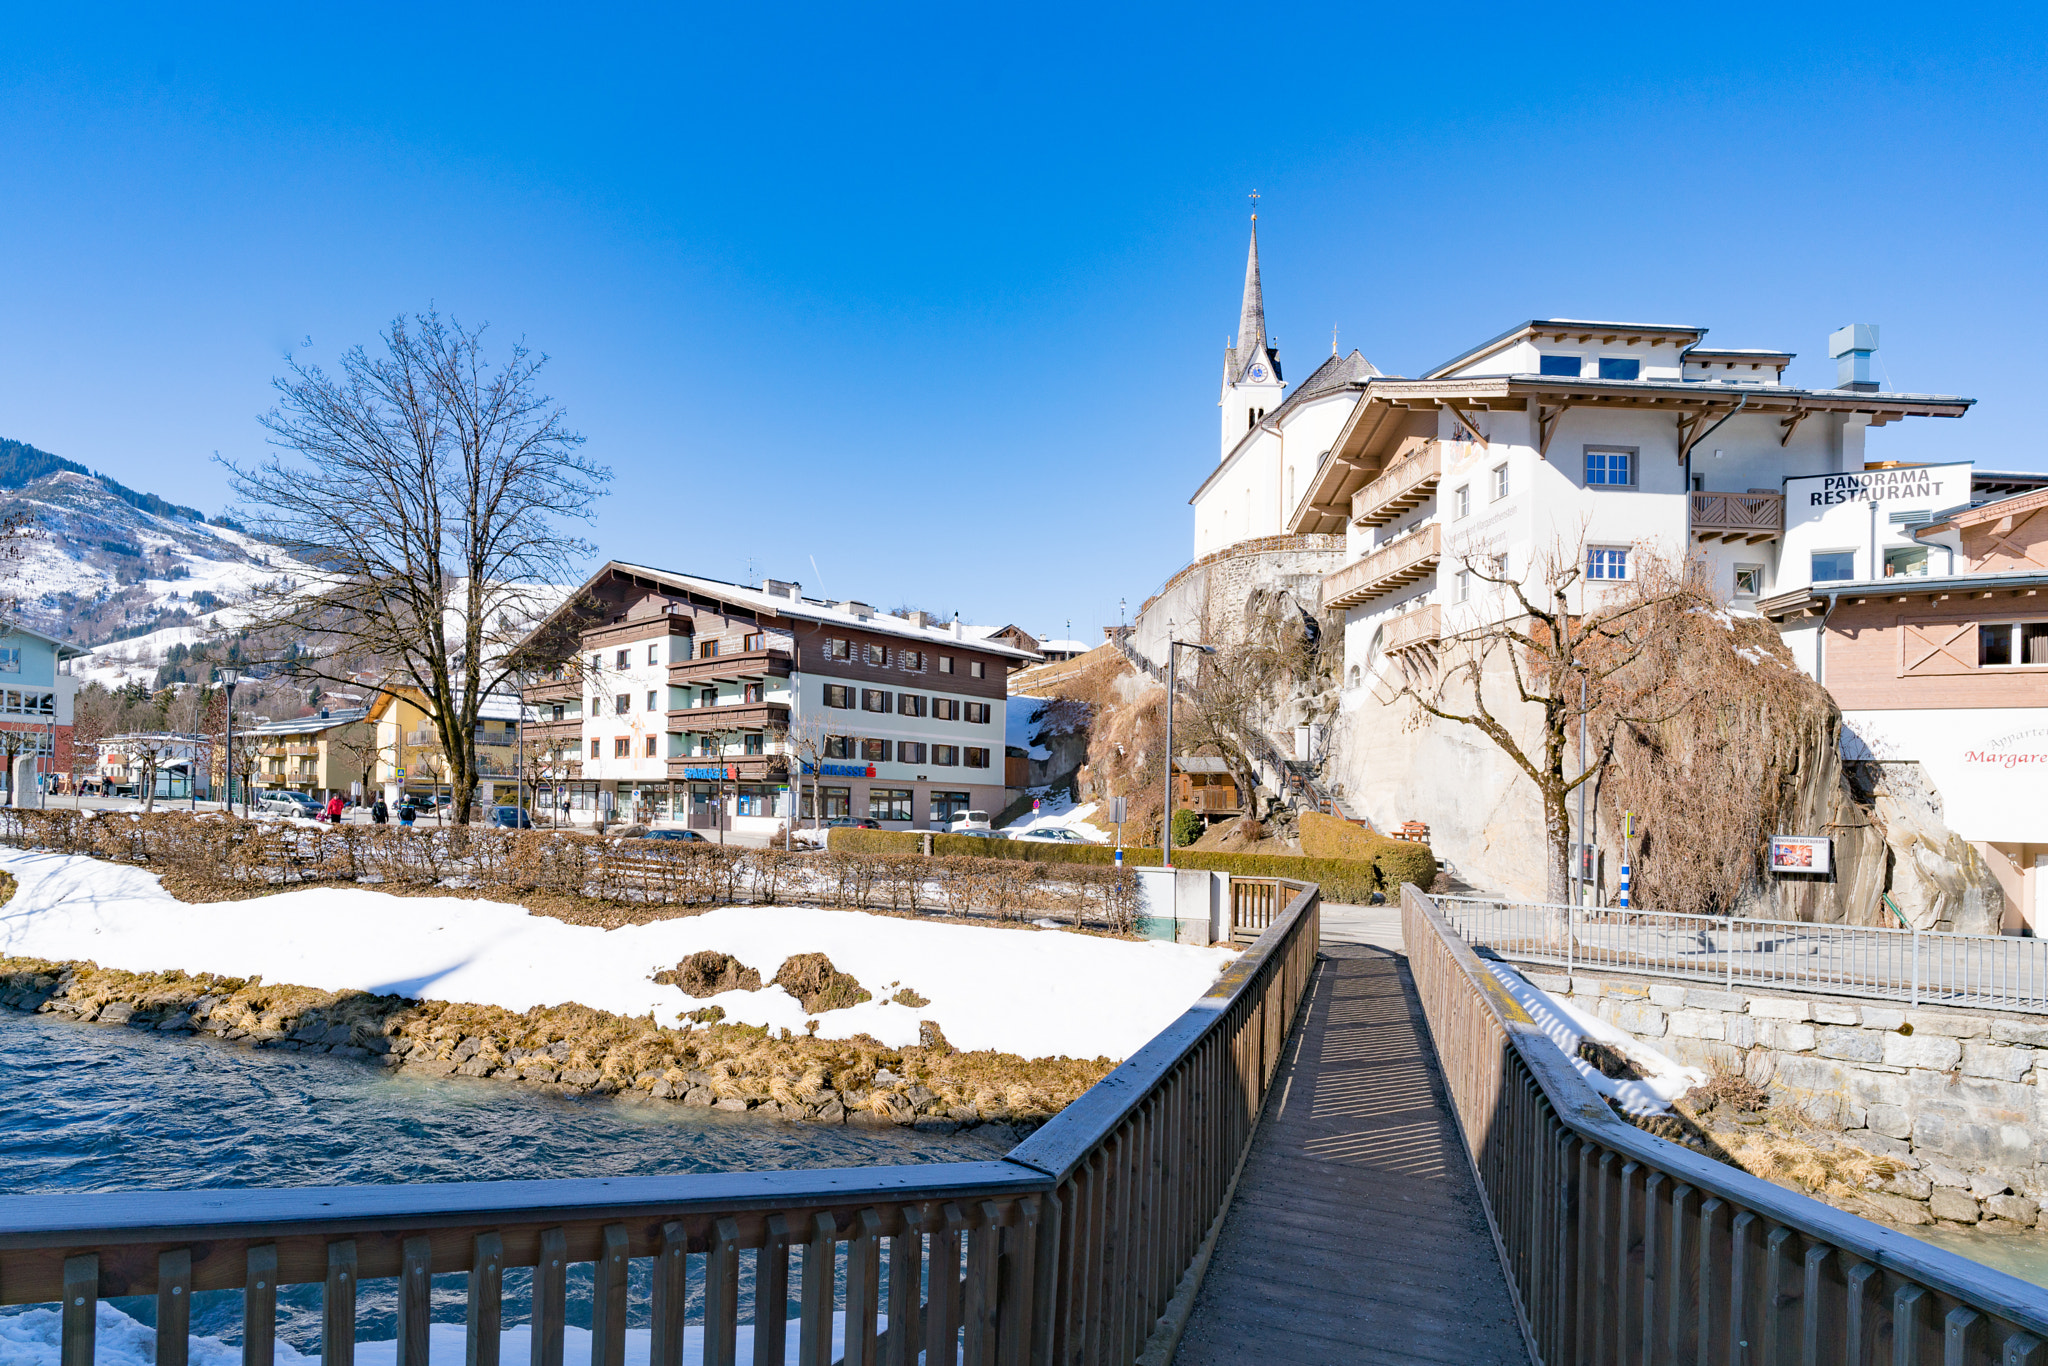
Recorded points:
1961,1097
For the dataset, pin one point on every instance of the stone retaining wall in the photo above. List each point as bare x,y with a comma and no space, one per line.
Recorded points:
1960,1097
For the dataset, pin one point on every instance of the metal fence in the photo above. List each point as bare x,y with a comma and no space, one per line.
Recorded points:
1918,967
1067,1250
1622,1248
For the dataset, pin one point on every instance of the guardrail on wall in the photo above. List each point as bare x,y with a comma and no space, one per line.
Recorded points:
1621,1247
1067,1250
1920,967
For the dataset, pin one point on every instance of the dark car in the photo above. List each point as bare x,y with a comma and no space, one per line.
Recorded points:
852,823
686,836
510,818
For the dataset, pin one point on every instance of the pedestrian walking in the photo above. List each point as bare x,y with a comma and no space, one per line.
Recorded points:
407,814
334,810
379,812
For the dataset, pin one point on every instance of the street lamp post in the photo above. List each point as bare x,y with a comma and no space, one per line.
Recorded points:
1173,649
228,679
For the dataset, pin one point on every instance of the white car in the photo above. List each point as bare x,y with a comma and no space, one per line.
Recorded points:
968,820
1052,835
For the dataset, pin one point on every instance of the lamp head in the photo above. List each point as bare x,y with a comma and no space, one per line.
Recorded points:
229,677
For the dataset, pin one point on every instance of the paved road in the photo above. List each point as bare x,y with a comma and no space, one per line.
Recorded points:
1356,1234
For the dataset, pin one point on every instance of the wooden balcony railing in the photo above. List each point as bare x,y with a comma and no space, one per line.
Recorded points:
1423,626
1406,484
1619,1246
1067,1249
1749,517
553,690
757,663
1413,557
732,716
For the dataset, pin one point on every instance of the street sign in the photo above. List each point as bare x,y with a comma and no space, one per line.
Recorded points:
1116,810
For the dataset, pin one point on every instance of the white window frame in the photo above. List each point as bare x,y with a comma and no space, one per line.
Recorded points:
1813,555
2012,626
1461,502
1626,567
1500,481
1635,465
1755,569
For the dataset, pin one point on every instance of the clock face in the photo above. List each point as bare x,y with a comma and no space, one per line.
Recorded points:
1258,372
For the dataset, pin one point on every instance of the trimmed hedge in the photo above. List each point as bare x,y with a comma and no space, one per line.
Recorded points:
1350,880
1398,861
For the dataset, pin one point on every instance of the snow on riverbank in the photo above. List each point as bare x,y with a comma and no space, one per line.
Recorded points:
1565,1025
1031,992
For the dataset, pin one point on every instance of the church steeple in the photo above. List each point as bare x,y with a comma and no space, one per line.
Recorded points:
1251,368
1251,318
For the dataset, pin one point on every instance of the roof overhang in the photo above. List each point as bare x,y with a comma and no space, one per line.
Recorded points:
1573,330
1818,598
1371,434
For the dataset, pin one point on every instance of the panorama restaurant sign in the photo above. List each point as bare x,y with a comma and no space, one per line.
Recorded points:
1937,486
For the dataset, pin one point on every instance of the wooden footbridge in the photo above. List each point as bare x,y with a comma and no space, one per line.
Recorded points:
1354,1148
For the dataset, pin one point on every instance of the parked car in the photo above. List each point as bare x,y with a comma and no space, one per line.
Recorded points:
979,834
1052,835
969,820
852,823
686,836
285,803
510,818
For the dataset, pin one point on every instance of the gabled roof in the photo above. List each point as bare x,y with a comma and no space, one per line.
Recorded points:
767,604
313,725
1200,763
64,651
1981,513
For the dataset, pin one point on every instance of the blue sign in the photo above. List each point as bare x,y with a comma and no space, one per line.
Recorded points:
708,775
841,770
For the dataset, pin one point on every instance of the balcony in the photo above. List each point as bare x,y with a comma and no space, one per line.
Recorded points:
738,716
1408,560
1423,626
1746,517
738,664
552,690
568,730
1407,484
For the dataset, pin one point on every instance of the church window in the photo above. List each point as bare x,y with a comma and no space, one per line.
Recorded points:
1559,365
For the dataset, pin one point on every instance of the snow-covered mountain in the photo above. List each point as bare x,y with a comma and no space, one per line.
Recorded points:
104,563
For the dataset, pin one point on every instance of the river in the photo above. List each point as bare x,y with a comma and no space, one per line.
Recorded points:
92,1108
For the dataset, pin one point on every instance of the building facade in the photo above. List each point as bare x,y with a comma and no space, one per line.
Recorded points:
1939,658
171,762
710,705
36,695
332,753
408,763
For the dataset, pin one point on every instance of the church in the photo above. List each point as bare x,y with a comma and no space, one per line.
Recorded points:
1272,441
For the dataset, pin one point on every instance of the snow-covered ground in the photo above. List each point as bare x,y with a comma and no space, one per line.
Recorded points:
31,1338
1565,1025
1032,992
1056,811
1020,727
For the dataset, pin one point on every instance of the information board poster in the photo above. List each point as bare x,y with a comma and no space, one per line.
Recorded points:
1801,854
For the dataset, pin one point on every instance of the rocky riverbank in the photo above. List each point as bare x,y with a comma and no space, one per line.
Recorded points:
575,1049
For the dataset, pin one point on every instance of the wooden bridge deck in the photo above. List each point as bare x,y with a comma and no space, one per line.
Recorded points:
1356,1234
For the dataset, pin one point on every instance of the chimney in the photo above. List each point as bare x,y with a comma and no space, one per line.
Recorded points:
920,619
778,588
958,634
1851,347
858,609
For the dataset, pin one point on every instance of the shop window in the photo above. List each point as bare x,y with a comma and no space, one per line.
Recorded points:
889,803
946,805
755,801
838,802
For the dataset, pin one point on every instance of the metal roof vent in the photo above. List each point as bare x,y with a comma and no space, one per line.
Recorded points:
1851,348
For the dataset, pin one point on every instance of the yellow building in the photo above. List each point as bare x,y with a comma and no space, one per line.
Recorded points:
410,762
324,755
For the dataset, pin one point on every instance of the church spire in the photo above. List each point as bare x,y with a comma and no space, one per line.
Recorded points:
1251,321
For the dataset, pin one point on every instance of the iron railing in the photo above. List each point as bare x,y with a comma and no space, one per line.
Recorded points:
1067,1250
1919,967
1622,1247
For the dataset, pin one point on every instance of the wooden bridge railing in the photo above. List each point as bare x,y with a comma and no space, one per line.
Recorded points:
1621,1247
1067,1250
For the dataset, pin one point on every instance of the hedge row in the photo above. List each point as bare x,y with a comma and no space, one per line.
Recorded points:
223,851
1391,862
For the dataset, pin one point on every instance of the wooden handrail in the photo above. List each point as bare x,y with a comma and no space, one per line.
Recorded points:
1073,1243
1403,485
1621,1246
1400,562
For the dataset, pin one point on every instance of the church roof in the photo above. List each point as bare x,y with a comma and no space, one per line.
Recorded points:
1338,372
1251,322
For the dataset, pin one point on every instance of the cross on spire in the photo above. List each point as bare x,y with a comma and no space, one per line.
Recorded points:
1255,205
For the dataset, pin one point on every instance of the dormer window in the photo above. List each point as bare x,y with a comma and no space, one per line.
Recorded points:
1620,367
1566,367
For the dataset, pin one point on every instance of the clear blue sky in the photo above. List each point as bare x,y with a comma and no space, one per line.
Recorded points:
938,296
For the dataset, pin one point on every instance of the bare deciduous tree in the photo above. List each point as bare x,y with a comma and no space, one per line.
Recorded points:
1543,633
426,490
